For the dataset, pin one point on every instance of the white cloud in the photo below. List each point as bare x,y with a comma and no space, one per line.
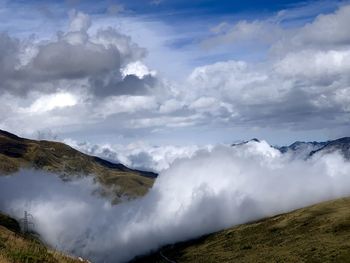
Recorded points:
167,121
327,29
208,192
138,154
324,31
79,21
231,81
50,102
301,83
125,104
303,75
170,105
138,69
315,64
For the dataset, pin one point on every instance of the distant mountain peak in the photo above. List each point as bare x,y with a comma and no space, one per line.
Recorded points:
308,149
341,145
245,142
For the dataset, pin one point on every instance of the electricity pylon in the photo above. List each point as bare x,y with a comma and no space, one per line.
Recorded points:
26,223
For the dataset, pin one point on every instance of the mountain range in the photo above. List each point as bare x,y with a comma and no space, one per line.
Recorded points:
306,150
20,153
318,233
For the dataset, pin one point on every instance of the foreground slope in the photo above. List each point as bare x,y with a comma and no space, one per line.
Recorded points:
56,157
319,233
18,248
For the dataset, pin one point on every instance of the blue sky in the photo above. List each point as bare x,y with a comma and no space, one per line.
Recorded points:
174,12
180,8
199,71
188,22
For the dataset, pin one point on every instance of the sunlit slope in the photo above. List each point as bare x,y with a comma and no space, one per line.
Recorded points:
319,233
16,153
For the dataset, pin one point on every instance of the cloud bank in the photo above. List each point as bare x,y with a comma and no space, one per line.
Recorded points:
138,155
212,190
299,82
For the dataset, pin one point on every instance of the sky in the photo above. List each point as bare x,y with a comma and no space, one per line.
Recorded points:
166,73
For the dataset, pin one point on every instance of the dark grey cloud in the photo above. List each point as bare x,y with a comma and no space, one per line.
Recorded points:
9,51
8,55
62,60
75,58
103,86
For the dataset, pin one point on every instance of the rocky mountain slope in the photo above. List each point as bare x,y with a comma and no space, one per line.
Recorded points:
319,233
342,145
19,153
307,149
302,149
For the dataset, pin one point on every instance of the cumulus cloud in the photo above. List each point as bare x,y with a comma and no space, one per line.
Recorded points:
79,22
212,190
137,155
297,86
301,83
280,95
93,62
326,29
51,102
93,74
315,64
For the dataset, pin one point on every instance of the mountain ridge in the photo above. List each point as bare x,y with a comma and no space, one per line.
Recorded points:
310,148
341,144
20,153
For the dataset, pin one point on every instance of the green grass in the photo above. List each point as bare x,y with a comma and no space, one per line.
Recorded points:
19,248
319,233
56,157
32,253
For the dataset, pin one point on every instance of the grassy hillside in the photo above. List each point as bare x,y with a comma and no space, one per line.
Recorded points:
319,233
16,153
18,248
